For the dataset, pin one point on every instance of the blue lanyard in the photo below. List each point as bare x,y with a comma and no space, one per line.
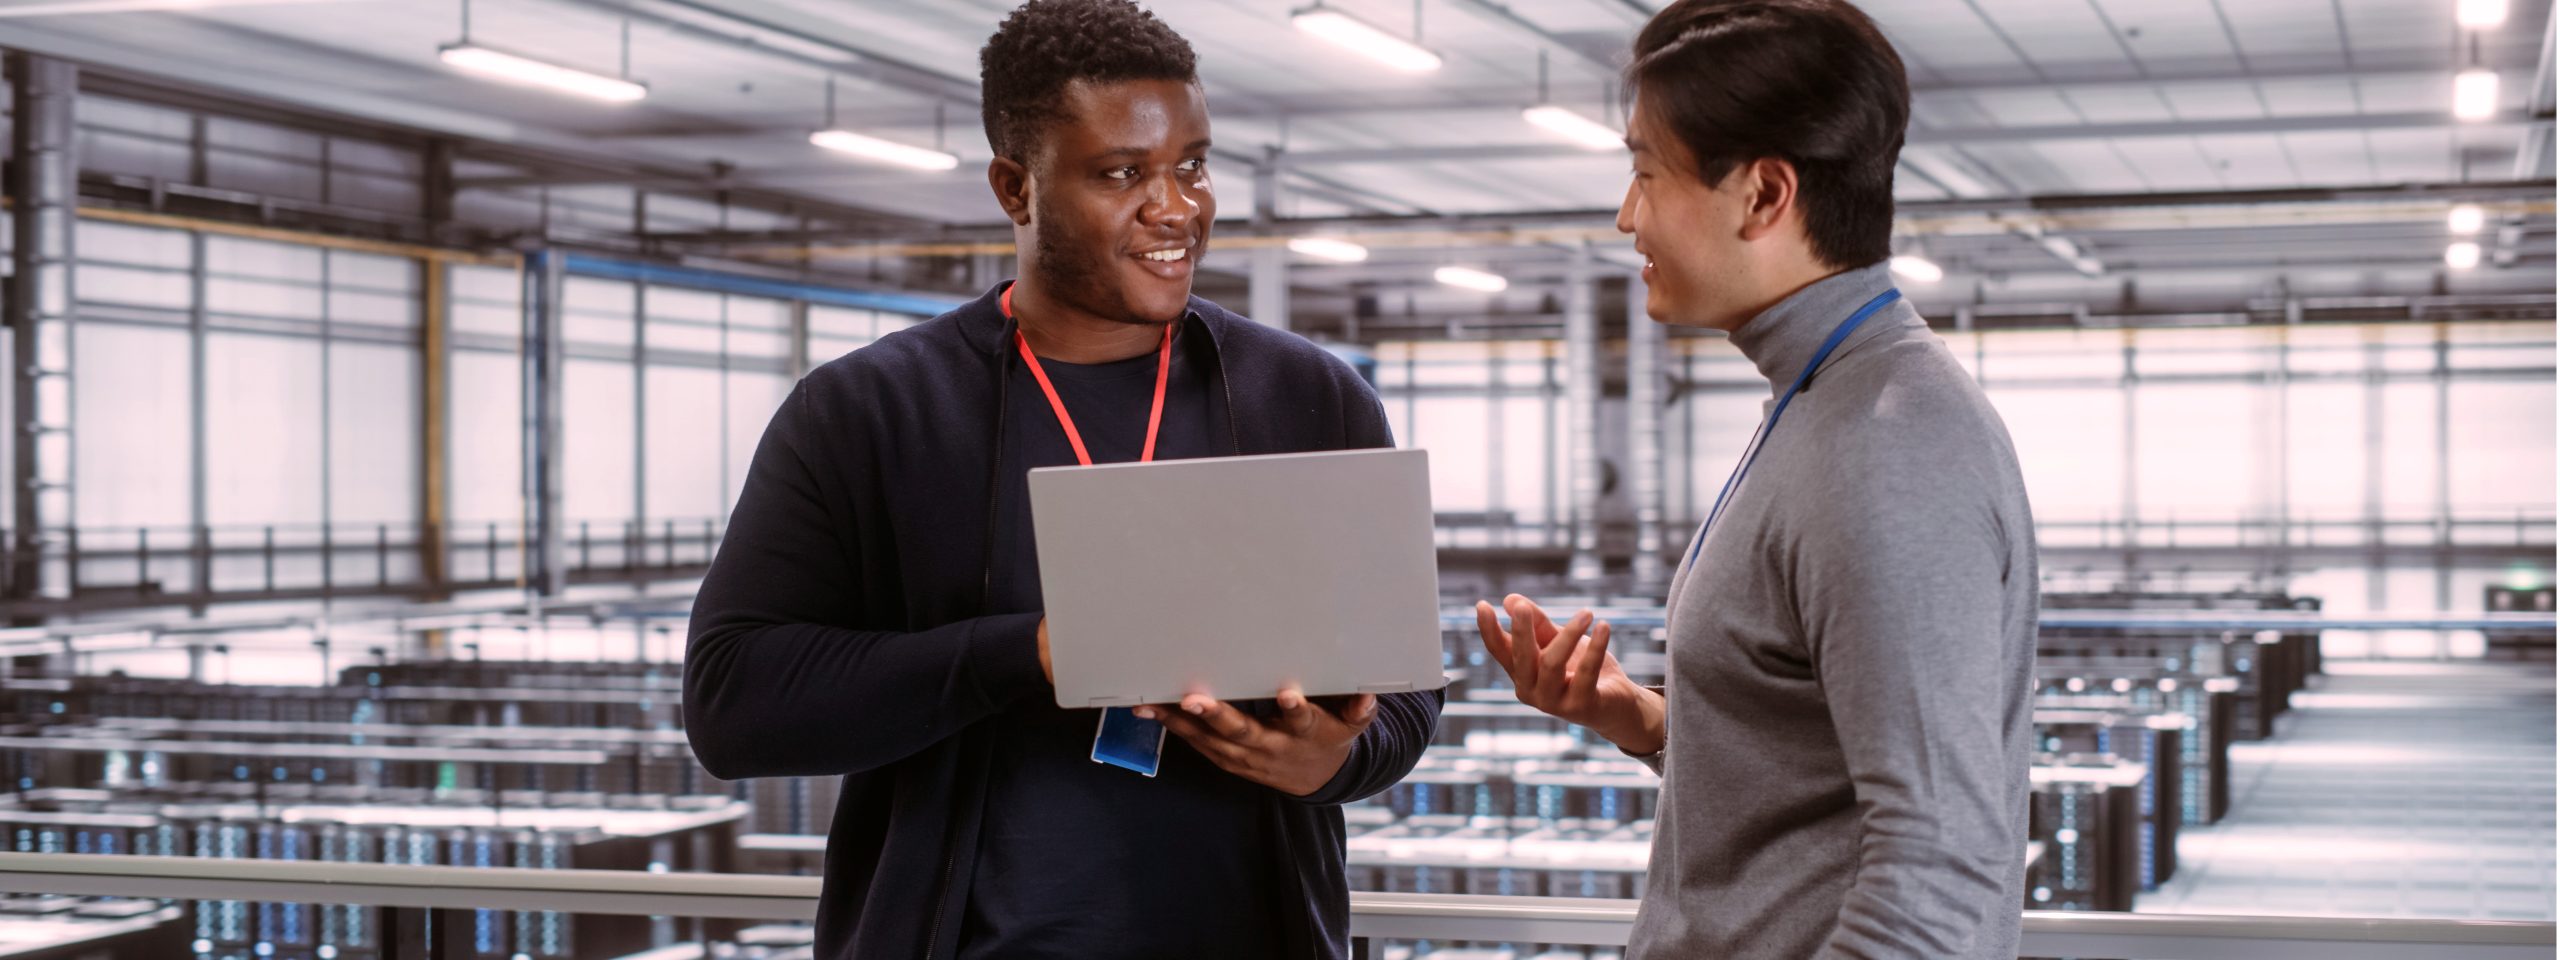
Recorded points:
1760,437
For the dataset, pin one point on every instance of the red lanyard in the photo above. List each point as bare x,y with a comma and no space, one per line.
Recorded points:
1155,416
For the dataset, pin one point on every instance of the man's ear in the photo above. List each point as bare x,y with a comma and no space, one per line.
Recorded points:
1769,186
1011,182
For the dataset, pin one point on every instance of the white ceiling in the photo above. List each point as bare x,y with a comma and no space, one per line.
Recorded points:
2011,97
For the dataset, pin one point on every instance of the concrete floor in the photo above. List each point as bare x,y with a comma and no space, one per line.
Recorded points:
2393,789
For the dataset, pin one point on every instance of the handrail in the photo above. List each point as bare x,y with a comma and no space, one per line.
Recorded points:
2288,621
1397,916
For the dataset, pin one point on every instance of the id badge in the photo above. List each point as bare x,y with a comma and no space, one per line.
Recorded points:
1123,740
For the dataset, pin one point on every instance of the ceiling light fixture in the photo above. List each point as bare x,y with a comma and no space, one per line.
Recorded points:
2466,219
835,137
2462,256
1588,133
1327,248
885,151
520,69
2480,14
2475,94
1917,269
1585,132
61,7
1365,38
1467,278
528,71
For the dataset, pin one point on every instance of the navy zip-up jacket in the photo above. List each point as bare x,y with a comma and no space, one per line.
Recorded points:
842,629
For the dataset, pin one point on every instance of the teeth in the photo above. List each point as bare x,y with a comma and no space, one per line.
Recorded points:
1165,256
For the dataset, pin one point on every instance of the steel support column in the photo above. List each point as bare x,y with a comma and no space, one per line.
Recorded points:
1582,418
1268,272
1644,438
435,386
545,560
43,179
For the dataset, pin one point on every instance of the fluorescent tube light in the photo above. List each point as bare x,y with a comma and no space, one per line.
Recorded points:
1917,269
2480,14
1590,134
1327,248
1366,39
1471,279
518,69
2466,219
2475,94
2462,256
884,151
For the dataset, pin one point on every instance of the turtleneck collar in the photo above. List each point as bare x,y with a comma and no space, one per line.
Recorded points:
1783,338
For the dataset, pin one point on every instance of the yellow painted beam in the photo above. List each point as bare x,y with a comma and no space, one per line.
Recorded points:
144,218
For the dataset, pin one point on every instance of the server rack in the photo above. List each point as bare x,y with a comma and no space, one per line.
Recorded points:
2084,810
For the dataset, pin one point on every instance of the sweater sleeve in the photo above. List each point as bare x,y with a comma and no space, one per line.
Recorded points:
1901,596
777,684
1394,742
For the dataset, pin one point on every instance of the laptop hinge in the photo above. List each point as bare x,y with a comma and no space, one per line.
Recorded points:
1399,686
1116,700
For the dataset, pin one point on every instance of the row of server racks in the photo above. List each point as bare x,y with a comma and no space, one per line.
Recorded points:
584,765
525,764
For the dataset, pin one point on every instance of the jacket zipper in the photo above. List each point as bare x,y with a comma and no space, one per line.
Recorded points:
987,570
986,599
1219,357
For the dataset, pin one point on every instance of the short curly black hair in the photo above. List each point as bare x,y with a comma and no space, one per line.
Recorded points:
1024,69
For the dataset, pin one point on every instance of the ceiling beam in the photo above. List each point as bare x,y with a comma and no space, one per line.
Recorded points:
1942,136
1509,98
2177,210
2533,156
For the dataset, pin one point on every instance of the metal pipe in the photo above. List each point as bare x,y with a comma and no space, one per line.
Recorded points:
43,188
1582,417
1556,920
1644,437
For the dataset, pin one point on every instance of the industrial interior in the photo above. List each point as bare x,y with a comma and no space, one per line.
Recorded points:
383,373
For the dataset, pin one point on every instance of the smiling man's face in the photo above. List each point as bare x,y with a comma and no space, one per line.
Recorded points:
1121,201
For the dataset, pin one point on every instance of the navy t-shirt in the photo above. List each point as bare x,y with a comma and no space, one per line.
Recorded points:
1081,859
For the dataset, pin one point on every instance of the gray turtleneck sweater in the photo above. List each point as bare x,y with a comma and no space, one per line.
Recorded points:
1851,664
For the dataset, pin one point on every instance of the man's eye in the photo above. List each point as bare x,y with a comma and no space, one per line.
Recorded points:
1194,165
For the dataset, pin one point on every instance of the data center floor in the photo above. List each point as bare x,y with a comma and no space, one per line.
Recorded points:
2409,789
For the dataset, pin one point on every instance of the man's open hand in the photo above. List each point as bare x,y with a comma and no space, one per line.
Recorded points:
1295,753
1567,672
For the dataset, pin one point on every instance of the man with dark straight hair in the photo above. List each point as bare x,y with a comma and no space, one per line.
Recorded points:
1844,732
874,612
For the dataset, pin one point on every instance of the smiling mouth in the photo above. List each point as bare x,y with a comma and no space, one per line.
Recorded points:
1166,256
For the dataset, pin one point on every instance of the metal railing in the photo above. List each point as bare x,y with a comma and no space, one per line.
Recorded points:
108,567
1374,916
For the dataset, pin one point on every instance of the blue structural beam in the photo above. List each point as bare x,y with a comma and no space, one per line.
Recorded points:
585,265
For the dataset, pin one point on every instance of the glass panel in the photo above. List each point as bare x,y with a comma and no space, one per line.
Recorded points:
2194,451
2070,444
596,454
485,300
1453,429
2501,438
2409,460
2326,473
132,411
685,458
373,435
262,415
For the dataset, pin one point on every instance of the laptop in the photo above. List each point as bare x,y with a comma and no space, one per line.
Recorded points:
1236,576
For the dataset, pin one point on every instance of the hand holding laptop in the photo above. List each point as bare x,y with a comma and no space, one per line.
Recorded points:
1295,753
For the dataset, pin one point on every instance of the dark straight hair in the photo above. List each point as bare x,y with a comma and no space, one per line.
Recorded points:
1811,82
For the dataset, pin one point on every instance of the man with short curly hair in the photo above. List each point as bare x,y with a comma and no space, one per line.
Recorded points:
874,611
